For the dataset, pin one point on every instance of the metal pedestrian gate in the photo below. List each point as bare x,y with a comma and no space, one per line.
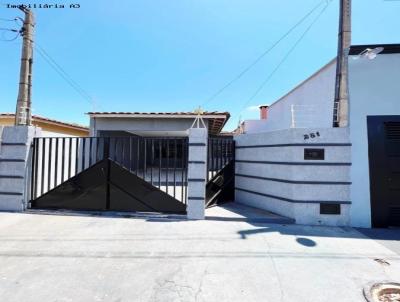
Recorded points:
110,173
220,186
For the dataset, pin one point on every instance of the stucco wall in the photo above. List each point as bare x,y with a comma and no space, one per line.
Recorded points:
272,174
312,100
374,90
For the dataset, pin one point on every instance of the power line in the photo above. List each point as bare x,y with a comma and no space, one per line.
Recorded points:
65,75
246,69
9,29
9,40
257,91
8,20
64,72
15,20
46,56
3,29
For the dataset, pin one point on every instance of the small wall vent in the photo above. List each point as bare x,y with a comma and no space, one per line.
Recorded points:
329,208
314,154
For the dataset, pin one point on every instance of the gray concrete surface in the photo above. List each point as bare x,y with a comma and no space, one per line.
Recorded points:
234,211
390,238
86,258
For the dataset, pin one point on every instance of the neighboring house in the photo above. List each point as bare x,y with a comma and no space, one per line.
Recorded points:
326,175
309,104
50,127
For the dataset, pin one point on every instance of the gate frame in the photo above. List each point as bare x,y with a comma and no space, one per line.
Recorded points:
223,165
104,144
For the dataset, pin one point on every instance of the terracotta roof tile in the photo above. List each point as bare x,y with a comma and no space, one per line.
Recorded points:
45,119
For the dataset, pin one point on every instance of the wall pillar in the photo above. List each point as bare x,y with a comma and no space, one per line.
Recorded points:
15,166
197,171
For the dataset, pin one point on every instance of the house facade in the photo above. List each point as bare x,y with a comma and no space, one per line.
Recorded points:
291,161
326,175
145,162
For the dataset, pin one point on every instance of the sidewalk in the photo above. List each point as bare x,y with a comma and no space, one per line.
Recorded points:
83,258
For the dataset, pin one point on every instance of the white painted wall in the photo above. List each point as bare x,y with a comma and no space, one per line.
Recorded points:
312,103
374,87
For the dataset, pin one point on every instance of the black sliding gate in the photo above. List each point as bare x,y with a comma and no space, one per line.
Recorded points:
220,170
110,173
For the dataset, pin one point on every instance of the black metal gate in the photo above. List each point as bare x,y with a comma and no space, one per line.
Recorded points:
110,173
220,170
384,169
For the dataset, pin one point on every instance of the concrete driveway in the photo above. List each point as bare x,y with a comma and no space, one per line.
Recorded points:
83,258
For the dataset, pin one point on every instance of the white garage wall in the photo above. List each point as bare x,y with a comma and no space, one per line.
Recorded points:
374,89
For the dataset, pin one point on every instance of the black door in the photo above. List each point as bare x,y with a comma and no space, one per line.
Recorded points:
384,169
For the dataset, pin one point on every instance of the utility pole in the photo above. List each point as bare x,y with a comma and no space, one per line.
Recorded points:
23,114
341,104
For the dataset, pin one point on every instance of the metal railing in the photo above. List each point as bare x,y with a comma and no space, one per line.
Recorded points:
162,162
303,116
221,151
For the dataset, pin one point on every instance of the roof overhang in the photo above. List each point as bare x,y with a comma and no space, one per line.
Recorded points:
216,120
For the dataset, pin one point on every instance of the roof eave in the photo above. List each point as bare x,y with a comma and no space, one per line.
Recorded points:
128,115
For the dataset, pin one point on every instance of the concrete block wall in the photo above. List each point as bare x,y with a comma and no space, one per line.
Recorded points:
272,174
15,159
197,171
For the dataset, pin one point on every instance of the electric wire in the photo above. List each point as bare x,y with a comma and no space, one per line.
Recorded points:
7,20
45,55
9,29
4,29
9,40
282,61
251,65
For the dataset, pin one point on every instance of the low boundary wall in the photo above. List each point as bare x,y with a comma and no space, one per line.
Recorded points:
299,173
